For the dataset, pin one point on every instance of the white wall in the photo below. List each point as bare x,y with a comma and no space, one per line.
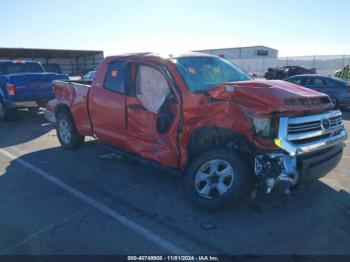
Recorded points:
256,66
244,52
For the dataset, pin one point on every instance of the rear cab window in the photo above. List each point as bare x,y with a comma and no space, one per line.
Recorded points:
20,67
116,77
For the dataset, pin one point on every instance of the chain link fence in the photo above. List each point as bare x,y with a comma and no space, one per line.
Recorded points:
325,64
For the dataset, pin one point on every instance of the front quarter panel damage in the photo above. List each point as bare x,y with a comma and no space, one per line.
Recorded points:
236,118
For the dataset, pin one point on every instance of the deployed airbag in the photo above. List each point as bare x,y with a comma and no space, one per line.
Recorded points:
151,88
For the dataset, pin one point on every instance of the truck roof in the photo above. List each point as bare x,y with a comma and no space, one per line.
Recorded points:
157,57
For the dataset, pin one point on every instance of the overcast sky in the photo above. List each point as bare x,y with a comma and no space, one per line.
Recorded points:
308,27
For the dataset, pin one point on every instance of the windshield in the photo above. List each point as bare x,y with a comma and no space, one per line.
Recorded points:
203,73
17,68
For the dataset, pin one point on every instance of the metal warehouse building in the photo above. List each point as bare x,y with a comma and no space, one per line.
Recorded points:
243,52
71,61
253,59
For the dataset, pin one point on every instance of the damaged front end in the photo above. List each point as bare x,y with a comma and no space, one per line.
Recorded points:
309,148
277,169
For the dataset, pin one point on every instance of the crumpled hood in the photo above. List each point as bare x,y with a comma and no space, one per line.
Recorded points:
272,96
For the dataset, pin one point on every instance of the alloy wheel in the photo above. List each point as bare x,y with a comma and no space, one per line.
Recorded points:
214,178
64,131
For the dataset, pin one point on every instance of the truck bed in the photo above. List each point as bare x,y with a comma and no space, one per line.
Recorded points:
74,94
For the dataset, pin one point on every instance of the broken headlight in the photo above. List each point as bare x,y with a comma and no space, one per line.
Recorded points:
264,127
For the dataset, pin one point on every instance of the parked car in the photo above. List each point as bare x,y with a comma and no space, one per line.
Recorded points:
90,76
52,68
201,116
338,90
287,71
24,84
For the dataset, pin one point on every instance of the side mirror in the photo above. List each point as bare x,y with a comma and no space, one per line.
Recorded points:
172,98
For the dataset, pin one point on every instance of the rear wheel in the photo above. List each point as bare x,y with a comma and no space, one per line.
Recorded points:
67,133
216,178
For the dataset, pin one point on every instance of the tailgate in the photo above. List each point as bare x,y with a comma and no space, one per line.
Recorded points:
33,87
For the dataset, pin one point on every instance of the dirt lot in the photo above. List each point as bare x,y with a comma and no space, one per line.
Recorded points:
54,201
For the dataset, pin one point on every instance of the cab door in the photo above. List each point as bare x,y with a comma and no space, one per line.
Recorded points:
107,103
153,114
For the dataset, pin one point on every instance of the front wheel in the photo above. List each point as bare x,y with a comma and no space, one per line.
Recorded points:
217,178
335,102
67,133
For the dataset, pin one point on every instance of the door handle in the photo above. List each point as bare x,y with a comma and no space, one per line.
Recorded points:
137,107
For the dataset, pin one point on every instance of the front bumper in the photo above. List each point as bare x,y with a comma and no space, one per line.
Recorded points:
316,165
311,147
278,168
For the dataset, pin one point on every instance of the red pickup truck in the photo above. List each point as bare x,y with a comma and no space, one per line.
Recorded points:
205,118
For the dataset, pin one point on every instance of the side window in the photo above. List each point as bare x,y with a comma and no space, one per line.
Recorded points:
296,81
318,82
115,77
329,83
306,81
152,88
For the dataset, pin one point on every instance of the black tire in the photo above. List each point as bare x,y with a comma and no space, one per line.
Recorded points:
335,102
241,184
69,137
5,113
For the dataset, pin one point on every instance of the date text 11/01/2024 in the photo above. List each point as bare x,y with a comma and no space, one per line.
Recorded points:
173,258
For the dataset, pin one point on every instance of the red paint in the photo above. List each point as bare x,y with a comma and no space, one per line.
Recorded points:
122,121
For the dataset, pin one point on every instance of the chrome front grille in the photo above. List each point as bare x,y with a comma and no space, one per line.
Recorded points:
336,120
299,135
297,127
304,127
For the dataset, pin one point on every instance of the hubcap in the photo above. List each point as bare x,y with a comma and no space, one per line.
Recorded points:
214,179
64,131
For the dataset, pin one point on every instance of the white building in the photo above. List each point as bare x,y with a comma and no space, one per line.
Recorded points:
253,59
